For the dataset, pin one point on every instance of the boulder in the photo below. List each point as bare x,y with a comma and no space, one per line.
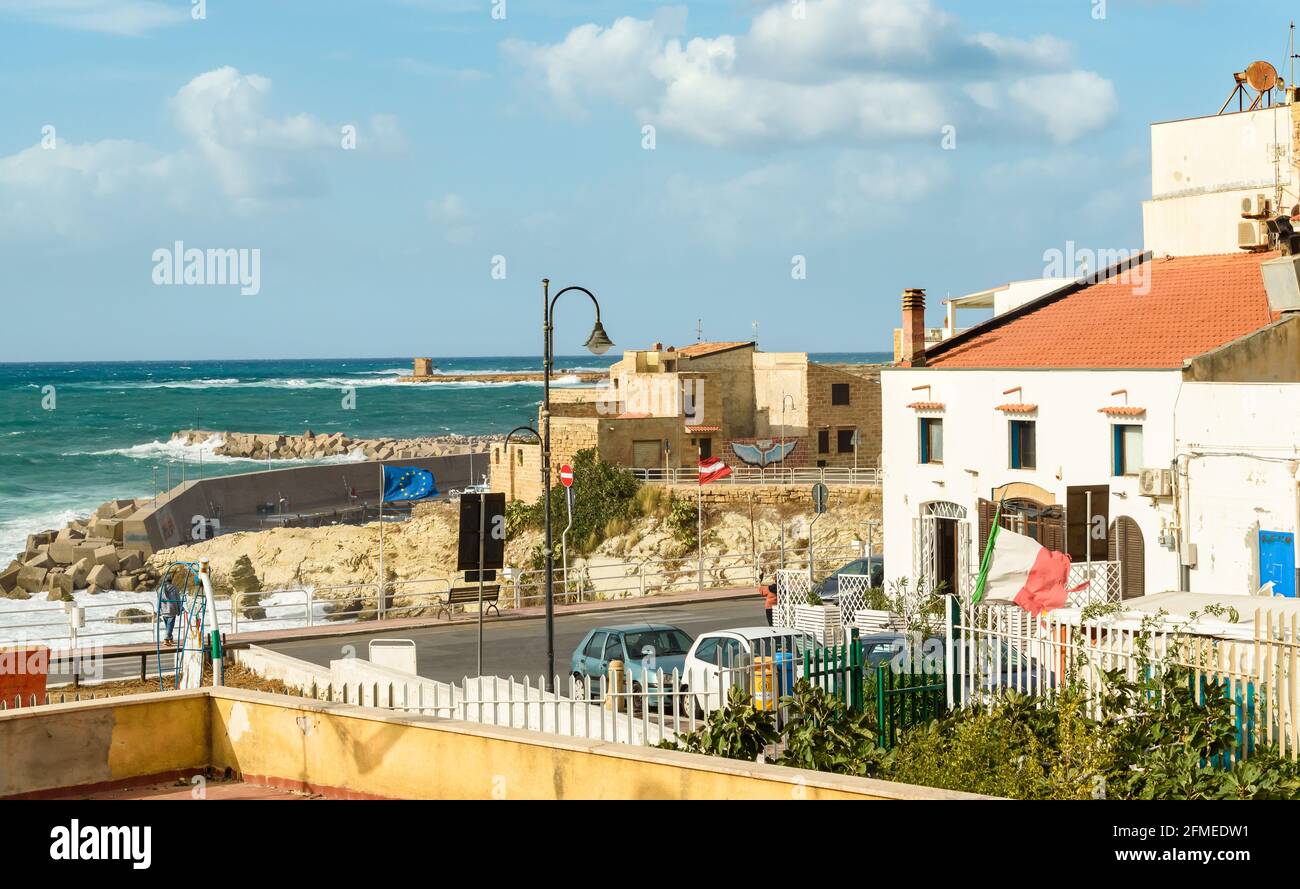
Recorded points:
130,560
132,616
80,572
59,585
124,583
107,529
9,578
107,556
125,512
41,560
35,540
61,551
102,576
32,579
69,533
87,547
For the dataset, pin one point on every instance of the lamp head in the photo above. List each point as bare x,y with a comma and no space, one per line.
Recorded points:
599,342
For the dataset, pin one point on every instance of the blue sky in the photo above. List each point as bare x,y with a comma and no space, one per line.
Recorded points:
781,130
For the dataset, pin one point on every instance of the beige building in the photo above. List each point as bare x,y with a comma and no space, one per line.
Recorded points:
665,408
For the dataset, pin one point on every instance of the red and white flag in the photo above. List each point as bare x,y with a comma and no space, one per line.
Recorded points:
712,469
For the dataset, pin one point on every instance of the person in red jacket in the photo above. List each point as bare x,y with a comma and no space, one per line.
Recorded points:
769,599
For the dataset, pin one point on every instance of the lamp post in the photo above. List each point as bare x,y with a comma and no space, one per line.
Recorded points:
784,399
598,344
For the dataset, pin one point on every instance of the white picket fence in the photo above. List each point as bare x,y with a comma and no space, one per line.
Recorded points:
991,648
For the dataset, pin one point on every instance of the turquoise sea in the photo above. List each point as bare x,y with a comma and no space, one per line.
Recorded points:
74,435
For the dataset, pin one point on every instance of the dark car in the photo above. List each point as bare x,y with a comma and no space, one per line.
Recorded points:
869,566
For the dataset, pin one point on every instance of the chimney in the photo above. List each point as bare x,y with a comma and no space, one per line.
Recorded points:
912,351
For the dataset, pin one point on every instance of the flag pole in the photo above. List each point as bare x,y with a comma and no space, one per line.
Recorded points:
699,519
379,600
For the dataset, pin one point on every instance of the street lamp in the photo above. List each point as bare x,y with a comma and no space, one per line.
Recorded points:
784,399
598,344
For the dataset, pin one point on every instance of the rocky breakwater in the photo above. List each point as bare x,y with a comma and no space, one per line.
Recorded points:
86,554
316,446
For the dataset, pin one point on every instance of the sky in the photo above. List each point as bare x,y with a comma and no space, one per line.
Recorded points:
401,174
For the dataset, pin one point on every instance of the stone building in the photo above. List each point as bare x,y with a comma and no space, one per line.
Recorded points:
664,408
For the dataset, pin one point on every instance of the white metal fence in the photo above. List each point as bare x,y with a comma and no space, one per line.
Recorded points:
992,648
307,606
770,475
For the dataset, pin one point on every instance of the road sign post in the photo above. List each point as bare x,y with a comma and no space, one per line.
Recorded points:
566,479
819,497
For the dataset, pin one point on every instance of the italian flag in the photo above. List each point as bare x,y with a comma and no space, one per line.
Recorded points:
1019,569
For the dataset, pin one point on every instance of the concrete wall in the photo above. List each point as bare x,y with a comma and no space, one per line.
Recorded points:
1270,355
293,672
234,499
1202,168
1239,452
346,751
1073,444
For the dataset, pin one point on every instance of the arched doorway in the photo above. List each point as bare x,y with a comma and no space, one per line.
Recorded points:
941,550
1127,547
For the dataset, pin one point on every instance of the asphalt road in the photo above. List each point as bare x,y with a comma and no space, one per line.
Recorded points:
518,647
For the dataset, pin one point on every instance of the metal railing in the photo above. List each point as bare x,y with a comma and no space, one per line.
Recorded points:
309,606
770,475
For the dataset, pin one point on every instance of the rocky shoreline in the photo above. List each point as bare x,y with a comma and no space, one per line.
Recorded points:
527,376
85,554
314,446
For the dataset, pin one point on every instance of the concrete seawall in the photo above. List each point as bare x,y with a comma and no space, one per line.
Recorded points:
234,500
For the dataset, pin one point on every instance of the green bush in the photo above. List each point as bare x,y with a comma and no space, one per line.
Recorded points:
683,522
822,734
605,495
737,731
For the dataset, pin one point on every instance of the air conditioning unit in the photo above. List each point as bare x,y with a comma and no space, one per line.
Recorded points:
1156,482
1259,208
1252,235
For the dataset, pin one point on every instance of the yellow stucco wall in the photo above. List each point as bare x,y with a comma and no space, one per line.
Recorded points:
344,750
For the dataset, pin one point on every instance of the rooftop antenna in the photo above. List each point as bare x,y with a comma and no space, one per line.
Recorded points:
699,330
754,324
1258,76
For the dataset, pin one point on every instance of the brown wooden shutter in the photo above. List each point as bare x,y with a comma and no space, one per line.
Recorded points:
986,510
1052,529
1127,547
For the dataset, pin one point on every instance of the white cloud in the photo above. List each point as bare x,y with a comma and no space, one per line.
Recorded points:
234,152
868,181
448,212
849,70
123,17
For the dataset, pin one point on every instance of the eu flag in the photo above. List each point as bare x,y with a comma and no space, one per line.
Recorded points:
407,483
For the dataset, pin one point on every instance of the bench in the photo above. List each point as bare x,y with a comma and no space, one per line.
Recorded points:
464,595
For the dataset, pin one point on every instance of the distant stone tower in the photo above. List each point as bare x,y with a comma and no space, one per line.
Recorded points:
424,367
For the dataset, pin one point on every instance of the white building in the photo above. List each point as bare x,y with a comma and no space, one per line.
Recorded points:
1203,169
1058,406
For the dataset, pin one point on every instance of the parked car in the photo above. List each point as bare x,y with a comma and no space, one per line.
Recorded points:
1014,669
721,658
644,649
870,566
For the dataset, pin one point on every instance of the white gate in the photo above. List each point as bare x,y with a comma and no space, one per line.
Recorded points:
792,588
853,596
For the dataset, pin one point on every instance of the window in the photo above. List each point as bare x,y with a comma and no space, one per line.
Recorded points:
595,646
614,648
839,393
708,650
844,440
824,441
931,440
1024,451
1126,446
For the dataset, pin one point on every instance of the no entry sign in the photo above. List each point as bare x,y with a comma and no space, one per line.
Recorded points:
566,475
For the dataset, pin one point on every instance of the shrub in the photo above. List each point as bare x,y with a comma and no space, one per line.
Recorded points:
737,731
603,493
822,734
683,522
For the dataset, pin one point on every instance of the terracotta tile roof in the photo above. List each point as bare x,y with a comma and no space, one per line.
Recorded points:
926,405
1122,410
1017,408
698,350
1192,304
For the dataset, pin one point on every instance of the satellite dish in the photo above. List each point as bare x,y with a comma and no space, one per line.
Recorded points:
1261,76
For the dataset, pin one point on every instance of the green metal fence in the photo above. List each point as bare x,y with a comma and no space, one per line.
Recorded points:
904,700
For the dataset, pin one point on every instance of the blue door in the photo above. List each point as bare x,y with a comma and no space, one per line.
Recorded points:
1277,561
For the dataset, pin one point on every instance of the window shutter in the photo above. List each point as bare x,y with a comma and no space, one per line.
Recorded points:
986,509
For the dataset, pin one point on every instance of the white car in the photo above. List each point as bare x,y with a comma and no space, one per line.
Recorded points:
723,658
